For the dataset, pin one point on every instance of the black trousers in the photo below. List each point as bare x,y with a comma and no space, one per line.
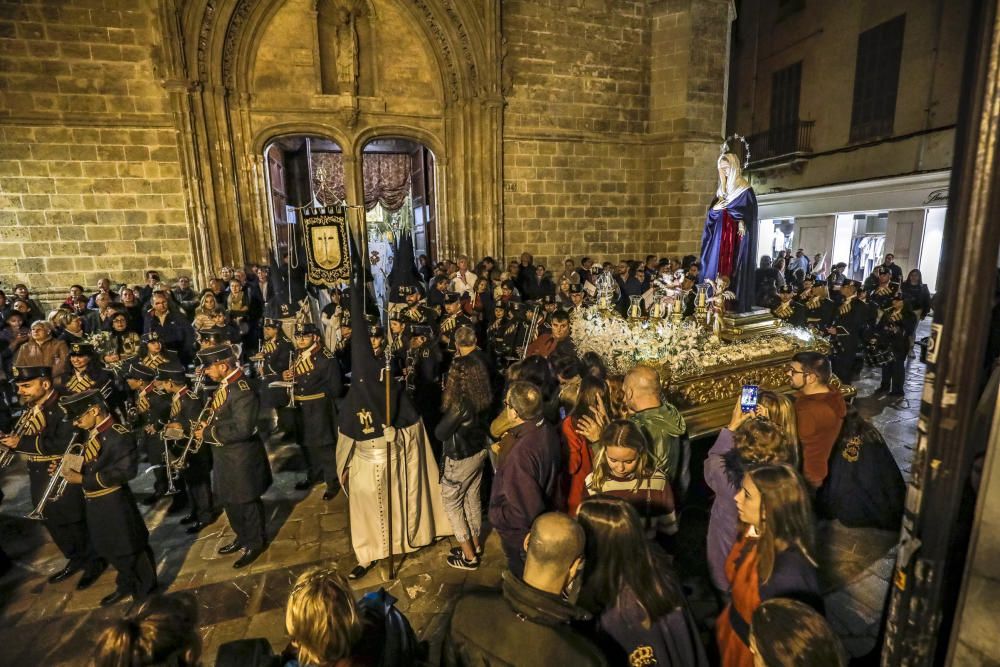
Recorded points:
136,573
321,460
513,549
73,541
247,520
199,492
893,374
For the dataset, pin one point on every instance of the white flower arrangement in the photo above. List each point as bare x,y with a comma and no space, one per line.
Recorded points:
685,349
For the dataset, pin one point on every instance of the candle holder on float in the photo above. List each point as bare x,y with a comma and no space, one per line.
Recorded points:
607,292
658,310
701,305
635,307
677,311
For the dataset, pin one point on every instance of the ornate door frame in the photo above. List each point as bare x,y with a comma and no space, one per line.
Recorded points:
207,55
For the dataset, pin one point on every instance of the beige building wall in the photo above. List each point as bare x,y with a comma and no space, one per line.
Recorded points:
824,36
134,131
90,178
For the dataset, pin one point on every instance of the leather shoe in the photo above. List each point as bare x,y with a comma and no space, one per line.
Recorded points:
190,518
112,598
92,574
331,491
196,528
360,570
248,555
230,548
65,573
304,485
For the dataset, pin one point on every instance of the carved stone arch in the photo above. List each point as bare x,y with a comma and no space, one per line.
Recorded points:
415,134
231,120
266,135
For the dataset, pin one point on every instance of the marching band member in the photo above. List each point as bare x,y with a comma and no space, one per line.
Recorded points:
788,309
156,355
42,437
848,327
272,361
318,384
196,473
241,472
820,309
84,372
116,528
153,409
894,329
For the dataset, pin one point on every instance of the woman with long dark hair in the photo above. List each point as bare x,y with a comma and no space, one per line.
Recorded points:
578,460
163,632
641,614
463,432
773,557
751,439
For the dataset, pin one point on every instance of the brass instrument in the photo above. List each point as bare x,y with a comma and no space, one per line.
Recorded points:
259,360
7,455
410,371
532,330
291,387
173,472
199,381
57,483
192,446
131,413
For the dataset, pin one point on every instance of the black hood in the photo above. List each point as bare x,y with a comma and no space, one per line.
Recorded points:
362,411
404,269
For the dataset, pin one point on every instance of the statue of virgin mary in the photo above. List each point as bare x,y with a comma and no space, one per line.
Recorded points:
730,237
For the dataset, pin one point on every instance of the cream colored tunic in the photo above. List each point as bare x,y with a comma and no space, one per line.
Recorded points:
418,517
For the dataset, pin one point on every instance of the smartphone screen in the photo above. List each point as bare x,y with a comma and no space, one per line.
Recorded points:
748,398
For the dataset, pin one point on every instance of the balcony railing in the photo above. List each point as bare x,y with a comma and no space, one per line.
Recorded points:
786,140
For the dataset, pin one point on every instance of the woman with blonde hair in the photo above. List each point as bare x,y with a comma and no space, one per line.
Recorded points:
327,628
208,308
163,632
773,557
749,440
779,409
624,468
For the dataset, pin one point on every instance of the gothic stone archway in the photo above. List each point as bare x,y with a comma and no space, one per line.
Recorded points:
242,72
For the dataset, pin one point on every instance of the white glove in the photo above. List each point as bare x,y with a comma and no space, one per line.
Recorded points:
390,433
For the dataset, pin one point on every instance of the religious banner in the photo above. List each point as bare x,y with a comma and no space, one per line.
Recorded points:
324,231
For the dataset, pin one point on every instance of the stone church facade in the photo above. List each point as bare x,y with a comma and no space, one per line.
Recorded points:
133,131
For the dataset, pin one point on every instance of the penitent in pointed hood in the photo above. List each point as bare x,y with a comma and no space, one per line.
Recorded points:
362,412
404,270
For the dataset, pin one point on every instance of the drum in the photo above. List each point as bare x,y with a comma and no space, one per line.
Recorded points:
877,355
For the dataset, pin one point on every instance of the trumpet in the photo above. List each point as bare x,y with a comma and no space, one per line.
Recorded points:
57,483
199,381
193,444
7,455
291,387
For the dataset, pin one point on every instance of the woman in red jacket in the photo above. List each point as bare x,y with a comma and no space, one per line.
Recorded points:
578,458
771,559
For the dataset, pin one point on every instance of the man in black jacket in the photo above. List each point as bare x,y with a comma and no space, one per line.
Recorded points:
528,623
109,461
241,472
42,437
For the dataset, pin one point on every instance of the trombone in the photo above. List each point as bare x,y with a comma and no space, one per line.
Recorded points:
57,483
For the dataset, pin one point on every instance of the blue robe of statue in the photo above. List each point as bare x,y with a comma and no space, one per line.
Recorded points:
723,252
